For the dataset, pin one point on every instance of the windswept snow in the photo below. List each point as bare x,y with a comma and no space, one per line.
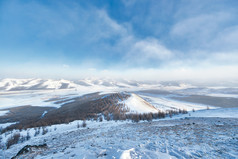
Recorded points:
138,105
165,139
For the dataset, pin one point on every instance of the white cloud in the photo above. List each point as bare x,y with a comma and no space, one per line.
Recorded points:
144,51
186,73
213,73
134,50
109,23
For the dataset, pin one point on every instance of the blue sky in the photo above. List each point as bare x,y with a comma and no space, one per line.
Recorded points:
134,39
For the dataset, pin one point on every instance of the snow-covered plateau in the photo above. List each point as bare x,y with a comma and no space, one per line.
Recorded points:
95,118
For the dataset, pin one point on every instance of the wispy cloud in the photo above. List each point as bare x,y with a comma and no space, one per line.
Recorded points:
147,50
199,31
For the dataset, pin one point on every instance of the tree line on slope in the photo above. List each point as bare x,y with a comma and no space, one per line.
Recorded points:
100,107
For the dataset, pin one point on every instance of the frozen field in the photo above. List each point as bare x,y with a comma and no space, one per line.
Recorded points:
182,138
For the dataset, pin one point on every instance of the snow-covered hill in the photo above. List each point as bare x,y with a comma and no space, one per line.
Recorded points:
136,104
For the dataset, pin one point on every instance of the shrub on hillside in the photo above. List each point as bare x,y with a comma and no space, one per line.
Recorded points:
44,131
78,126
135,118
13,140
37,131
28,137
84,123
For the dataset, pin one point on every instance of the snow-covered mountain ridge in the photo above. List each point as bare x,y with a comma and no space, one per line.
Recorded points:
11,84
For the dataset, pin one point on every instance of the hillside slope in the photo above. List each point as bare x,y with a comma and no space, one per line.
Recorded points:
136,104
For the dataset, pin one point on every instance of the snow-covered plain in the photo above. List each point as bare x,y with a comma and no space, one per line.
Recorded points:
36,98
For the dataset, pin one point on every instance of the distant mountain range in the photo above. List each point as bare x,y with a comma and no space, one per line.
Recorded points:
10,84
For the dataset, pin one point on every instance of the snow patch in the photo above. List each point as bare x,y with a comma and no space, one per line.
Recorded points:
2,113
127,154
42,116
6,125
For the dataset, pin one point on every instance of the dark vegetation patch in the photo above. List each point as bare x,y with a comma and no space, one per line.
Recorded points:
13,140
24,113
150,116
28,149
84,107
